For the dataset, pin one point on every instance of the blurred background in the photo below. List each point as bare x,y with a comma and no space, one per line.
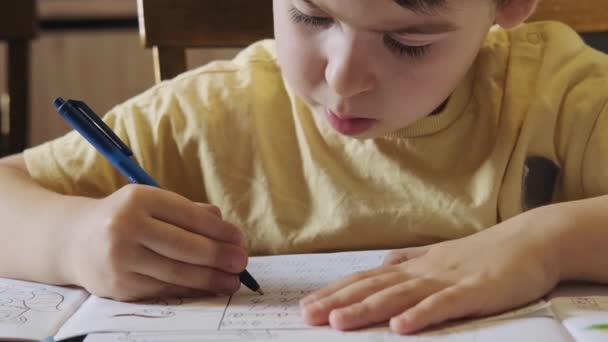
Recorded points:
91,50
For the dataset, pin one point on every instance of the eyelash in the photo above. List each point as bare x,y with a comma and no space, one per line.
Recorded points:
300,18
402,49
395,46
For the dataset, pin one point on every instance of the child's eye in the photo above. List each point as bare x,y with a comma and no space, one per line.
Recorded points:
392,44
300,18
402,49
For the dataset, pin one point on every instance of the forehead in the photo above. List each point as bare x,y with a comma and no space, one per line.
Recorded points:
422,7
382,15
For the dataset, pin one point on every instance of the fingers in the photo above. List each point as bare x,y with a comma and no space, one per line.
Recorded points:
181,245
196,217
401,255
137,286
184,275
410,305
453,302
317,312
330,289
381,306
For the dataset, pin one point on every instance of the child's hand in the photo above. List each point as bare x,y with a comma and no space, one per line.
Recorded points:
497,269
143,241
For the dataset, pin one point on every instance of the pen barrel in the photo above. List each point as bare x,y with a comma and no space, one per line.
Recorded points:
130,169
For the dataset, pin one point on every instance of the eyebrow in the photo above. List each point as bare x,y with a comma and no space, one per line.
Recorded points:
416,6
427,28
423,6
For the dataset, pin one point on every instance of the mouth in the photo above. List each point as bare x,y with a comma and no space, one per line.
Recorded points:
349,125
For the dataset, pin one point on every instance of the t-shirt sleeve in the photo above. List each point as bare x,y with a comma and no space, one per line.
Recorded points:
152,125
595,161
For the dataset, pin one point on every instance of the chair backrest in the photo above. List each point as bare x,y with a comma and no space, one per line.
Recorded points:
585,16
170,27
18,26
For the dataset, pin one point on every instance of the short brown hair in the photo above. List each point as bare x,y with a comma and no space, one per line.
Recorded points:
428,6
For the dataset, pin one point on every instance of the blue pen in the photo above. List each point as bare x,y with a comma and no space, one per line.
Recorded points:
95,131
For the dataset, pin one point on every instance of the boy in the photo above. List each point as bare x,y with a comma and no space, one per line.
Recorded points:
390,124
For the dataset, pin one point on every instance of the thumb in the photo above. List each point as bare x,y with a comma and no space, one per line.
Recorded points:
401,255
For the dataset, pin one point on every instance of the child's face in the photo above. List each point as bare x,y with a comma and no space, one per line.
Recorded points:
370,67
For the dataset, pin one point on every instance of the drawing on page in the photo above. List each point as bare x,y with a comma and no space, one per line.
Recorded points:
17,300
196,336
168,307
148,313
165,301
161,307
278,310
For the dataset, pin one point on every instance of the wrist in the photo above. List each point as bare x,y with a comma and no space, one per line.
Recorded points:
575,239
545,227
73,237
557,225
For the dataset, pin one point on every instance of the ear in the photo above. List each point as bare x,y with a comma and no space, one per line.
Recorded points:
515,12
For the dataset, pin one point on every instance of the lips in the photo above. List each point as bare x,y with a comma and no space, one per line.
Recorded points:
349,125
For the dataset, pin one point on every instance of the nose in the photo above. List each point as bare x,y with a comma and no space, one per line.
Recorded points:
348,71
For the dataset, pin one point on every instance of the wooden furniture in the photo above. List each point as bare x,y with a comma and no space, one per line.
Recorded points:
170,27
18,26
87,9
585,16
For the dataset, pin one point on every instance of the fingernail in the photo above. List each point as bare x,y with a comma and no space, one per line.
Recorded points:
234,284
237,238
306,301
216,210
398,325
229,285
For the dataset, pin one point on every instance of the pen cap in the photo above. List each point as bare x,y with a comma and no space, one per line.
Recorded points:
93,119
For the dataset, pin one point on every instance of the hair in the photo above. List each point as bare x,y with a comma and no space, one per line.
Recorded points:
501,3
430,6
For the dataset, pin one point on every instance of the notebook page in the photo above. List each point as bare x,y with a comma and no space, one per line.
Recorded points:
529,329
284,279
33,311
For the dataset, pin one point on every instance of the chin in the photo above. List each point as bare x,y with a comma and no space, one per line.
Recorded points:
372,134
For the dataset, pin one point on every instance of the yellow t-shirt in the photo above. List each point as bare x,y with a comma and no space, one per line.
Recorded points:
523,129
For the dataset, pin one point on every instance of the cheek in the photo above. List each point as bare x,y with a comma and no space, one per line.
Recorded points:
440,74
300,60
301,65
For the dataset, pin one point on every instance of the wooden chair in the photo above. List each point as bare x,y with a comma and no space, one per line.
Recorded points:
585,16
18,26
170,27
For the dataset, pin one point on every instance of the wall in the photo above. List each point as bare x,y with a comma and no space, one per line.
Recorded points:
102,67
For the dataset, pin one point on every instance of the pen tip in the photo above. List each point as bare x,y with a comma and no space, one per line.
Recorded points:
260,291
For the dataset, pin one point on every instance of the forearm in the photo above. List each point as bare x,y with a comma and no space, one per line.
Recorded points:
580,239
33,229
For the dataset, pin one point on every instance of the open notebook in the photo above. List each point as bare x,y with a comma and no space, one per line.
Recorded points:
30,311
